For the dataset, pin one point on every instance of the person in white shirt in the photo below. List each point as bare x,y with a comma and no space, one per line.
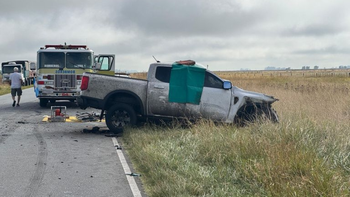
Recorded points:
16,86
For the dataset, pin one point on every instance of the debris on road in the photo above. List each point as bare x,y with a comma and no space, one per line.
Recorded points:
80,117
133,174
86,116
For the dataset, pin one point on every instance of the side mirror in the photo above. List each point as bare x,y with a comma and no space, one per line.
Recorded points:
32,66
227,85
97,66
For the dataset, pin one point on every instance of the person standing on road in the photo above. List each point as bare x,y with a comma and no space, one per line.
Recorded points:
16,86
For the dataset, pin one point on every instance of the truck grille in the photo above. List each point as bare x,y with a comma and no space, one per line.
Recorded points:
65,81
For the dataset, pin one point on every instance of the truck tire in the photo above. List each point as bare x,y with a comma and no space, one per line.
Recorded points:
268,114
119,116
271,114
250,113
43,102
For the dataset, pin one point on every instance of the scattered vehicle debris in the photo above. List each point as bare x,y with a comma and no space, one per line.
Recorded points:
88,117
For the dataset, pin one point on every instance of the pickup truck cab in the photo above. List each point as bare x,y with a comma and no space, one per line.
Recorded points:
183,89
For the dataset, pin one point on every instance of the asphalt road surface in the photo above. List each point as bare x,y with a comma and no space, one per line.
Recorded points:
56,158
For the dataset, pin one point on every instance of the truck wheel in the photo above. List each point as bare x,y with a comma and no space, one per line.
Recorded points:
271,114
119,116
43,102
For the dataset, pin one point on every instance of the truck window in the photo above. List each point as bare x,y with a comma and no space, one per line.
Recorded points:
163,74
51,60
212,81
79,60
106,62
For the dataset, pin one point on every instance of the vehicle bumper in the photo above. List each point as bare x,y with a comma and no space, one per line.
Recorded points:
58,97
85,102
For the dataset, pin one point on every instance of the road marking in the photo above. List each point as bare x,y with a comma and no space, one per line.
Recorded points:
135,190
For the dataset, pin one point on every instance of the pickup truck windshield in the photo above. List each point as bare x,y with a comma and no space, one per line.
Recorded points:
71,60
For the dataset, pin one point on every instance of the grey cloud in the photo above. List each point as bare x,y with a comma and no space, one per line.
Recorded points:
324,51
184,18
20,7
314,30
227,33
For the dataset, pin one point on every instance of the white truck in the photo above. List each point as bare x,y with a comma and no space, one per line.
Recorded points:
179,90
26,68
60,69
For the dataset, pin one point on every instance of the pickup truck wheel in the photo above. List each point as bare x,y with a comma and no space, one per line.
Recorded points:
271,114
119,116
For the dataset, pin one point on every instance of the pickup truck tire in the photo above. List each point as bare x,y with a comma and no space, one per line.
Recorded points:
119,116
271,114
251,113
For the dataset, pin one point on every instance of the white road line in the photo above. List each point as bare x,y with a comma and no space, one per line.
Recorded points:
135,190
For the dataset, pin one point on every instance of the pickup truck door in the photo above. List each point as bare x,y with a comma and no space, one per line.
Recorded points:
157,95
215,100
214,104
107,64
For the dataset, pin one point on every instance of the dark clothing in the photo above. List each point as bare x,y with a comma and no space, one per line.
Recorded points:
15,91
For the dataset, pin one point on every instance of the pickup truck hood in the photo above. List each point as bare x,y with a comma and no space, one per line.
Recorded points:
253,96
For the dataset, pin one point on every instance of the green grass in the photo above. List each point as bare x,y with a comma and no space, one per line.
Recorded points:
293,158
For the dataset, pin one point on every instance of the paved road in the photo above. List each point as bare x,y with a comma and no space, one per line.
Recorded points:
55,159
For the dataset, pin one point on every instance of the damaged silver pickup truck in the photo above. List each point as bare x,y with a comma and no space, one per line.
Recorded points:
183,89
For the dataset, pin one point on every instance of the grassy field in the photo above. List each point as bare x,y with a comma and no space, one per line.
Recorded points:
306,154
6,89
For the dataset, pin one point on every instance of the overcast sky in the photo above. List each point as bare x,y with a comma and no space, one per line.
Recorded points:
223,34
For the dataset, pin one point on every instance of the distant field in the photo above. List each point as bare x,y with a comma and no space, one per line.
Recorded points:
5,88
306,154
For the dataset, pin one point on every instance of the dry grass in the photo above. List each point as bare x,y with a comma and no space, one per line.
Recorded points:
306,154
6,89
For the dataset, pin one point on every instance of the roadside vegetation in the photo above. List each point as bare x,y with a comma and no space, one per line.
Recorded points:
6,89
306,154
